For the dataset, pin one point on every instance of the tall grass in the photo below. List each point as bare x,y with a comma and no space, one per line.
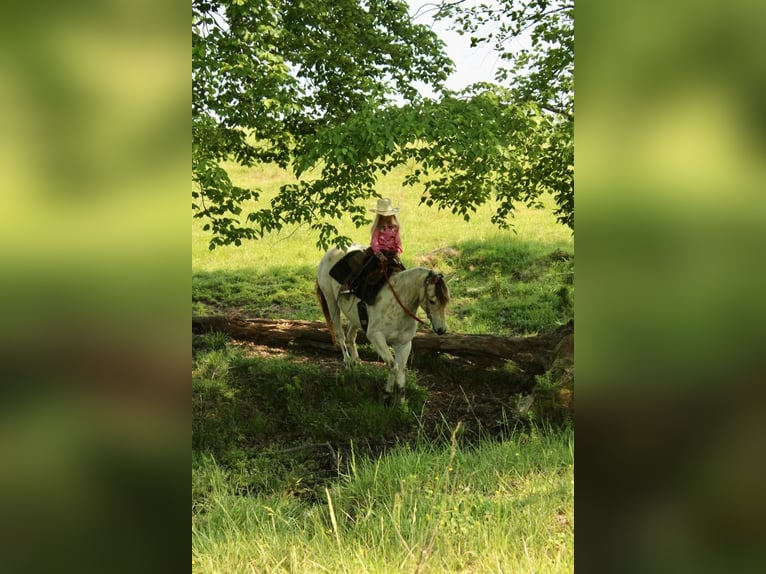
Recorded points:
395,498
500,507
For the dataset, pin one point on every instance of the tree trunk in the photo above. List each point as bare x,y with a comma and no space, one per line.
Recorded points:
535,351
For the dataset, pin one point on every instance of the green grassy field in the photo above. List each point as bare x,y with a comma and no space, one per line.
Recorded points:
299,466
503,281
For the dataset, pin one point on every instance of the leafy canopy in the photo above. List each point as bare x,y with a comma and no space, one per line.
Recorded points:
331,86
540,74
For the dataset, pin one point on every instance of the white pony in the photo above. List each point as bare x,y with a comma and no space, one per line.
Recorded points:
392,320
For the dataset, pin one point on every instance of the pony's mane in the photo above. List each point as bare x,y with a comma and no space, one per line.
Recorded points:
440,285
442,292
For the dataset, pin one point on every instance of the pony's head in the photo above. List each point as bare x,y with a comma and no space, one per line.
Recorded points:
434,303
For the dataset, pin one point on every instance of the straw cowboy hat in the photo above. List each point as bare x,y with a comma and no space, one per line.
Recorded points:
384,207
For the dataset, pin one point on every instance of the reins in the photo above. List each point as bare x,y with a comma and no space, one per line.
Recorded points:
410,313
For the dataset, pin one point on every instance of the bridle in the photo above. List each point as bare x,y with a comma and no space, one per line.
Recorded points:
426,307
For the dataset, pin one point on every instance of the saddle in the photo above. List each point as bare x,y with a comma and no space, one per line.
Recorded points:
364,274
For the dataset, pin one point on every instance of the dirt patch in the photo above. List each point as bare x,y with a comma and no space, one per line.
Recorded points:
433,258
485,400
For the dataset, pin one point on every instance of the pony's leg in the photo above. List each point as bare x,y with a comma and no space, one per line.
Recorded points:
347,360
401,354
337,327
378,341
350,341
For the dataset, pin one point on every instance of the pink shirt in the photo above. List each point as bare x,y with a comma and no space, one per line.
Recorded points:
386,238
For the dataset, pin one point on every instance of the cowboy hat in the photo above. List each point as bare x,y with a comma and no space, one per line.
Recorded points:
384,207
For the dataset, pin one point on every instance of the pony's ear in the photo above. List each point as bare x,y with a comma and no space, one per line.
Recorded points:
433,277
450,277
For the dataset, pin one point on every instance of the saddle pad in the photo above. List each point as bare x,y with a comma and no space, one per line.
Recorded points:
372,276
351,263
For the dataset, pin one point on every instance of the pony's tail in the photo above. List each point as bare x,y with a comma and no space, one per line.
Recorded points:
326,312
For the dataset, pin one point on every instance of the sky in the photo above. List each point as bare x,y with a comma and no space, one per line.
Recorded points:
471,64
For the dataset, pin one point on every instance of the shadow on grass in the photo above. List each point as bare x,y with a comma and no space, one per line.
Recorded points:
274,293
505,287
302,415
499,287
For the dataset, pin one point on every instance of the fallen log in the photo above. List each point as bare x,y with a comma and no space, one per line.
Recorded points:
269,332
535,350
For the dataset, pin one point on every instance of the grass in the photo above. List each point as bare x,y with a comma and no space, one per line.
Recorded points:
244,404
299,467
271,293
270,493
500,507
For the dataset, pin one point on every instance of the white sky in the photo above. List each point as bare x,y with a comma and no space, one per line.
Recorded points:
471,64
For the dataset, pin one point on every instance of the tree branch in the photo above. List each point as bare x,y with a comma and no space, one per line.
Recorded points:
557,110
